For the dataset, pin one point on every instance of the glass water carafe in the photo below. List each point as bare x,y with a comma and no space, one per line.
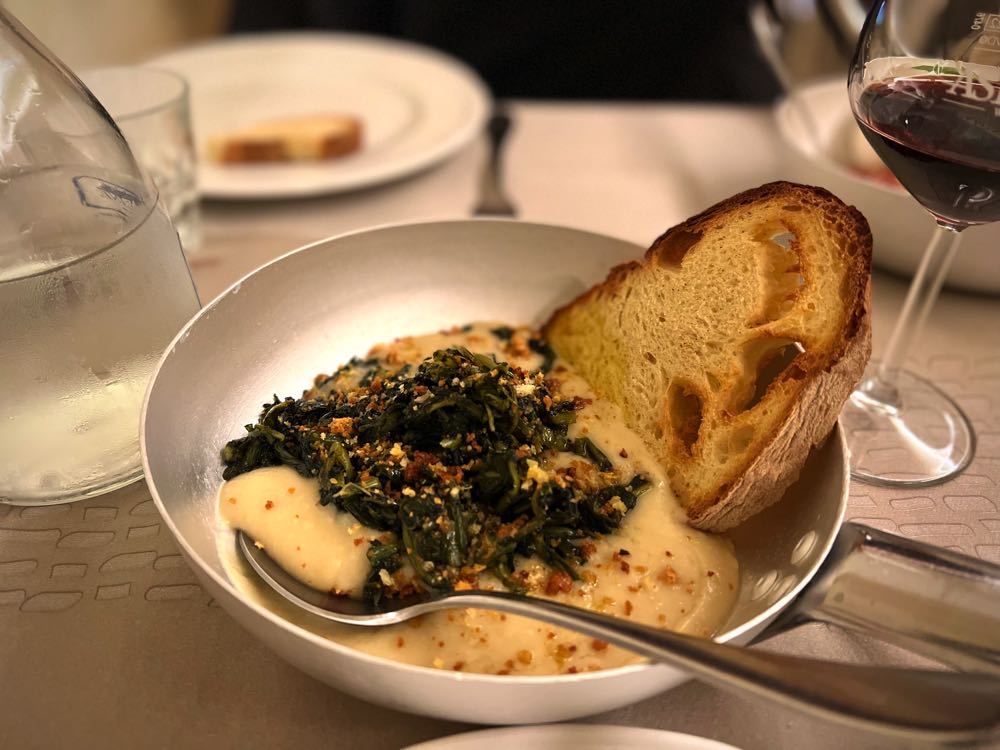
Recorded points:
93,283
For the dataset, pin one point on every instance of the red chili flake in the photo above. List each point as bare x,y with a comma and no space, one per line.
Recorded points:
572,670
291,490
457,666
623,453
598,645
628,608
268,505
710,573
400,642
358,541
624,566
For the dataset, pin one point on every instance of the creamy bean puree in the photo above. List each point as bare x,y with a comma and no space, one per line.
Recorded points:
654,569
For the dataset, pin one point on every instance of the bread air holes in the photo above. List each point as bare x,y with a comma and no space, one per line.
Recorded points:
684,413
764,360
779,271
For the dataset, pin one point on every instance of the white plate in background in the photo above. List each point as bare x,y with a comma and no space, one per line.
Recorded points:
417,106
817,152
572,737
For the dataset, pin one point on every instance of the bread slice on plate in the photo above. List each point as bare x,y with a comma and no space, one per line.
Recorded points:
308,138
732,346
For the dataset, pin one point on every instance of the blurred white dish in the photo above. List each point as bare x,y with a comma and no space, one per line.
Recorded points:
573,737
822,142
418,106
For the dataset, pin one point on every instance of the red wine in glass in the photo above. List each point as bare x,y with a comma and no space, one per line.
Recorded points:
940,136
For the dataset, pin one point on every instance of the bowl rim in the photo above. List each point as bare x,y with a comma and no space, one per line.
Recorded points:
329,644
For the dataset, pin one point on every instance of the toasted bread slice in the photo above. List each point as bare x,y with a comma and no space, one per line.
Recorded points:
310,138
732,346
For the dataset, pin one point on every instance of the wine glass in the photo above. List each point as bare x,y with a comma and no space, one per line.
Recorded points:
925,90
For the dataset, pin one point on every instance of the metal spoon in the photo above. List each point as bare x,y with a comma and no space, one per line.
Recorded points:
943,706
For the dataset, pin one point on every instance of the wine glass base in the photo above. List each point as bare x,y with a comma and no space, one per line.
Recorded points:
915,437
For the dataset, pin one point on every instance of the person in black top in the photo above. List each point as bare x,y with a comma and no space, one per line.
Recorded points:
558,49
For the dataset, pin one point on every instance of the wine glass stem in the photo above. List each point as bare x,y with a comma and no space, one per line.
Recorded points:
920,298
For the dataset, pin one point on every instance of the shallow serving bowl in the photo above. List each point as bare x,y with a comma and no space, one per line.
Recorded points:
818,133
314,308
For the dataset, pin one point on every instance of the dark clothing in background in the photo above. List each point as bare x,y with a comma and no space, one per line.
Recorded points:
558,49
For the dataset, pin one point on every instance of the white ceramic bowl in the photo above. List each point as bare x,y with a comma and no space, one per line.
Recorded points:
316,307
817,128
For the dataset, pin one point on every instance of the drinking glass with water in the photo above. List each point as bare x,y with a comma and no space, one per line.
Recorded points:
93,284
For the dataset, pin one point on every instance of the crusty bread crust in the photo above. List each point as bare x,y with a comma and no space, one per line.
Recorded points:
689,424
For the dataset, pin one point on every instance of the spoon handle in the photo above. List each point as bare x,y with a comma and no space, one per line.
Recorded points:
924,598
944,706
